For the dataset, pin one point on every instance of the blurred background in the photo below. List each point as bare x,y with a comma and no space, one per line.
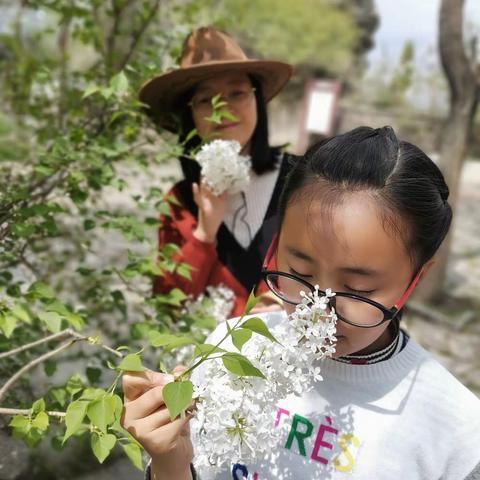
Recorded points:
357,62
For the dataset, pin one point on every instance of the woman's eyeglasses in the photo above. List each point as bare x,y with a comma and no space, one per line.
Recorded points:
203,104
349,307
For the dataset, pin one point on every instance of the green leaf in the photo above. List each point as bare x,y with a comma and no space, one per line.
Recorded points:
74,417
74,384
106,93
52,320
177,397
102,412
192,133
75,320
90,90
88,224
119,84
7,324
132,362
41,290
257,325
240,365
21,313
184,271
20,422
251,302
102,445
205,348
118,410
241,336
41,421
134,453
176,297
91,394
169,341
38,406
50,367
60,395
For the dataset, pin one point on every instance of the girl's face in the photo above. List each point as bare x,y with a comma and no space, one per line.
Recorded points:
346,249
236,87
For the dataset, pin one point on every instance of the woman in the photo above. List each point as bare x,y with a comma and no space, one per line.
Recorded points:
224,238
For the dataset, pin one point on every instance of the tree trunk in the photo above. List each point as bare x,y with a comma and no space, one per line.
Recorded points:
464,90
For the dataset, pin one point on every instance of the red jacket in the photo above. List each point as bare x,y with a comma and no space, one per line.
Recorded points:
202,256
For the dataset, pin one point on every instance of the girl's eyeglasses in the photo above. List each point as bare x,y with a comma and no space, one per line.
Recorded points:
238,98
351,308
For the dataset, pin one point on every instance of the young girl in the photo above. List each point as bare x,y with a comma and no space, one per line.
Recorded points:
224,238
362,213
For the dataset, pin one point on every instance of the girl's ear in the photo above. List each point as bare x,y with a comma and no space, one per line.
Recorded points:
426,267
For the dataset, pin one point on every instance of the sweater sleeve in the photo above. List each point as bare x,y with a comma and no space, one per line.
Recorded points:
148,472
178,228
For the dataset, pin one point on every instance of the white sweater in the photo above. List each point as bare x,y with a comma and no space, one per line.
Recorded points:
245,211
405,418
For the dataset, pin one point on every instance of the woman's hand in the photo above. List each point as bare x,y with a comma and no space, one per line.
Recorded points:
211,210
147,419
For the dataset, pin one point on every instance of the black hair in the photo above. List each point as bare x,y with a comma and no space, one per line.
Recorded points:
407,183
263,157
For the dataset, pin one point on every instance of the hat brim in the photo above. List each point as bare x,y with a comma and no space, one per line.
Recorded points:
163,94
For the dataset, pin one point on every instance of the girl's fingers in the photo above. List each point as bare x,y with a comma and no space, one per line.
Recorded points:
156,420
144,405
136,384
164,437
178,370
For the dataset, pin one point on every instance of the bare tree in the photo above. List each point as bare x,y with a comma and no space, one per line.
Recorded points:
463,77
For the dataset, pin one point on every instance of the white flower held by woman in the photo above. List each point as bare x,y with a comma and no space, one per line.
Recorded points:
235,418
223,168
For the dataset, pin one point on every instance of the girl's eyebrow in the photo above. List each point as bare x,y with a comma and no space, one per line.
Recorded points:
364,271
299,254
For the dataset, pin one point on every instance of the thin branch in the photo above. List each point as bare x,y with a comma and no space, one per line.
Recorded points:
42,358
56,336
26,412
46,356
139,33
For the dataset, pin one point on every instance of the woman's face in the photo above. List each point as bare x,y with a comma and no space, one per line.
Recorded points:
346,249
229,85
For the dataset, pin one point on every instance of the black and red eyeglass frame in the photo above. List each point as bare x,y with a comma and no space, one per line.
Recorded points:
388,313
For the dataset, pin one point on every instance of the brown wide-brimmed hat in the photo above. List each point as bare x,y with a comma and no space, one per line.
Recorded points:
207,52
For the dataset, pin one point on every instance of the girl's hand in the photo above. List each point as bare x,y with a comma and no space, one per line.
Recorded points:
211,210
147,419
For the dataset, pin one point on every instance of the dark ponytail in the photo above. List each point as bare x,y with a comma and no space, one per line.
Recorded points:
408,185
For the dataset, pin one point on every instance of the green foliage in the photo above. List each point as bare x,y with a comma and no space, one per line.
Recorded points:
77,235
317,34
132,362
177,397
240,365
257,325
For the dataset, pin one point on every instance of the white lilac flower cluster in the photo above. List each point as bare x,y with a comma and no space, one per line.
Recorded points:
217,303
235,417
223,168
